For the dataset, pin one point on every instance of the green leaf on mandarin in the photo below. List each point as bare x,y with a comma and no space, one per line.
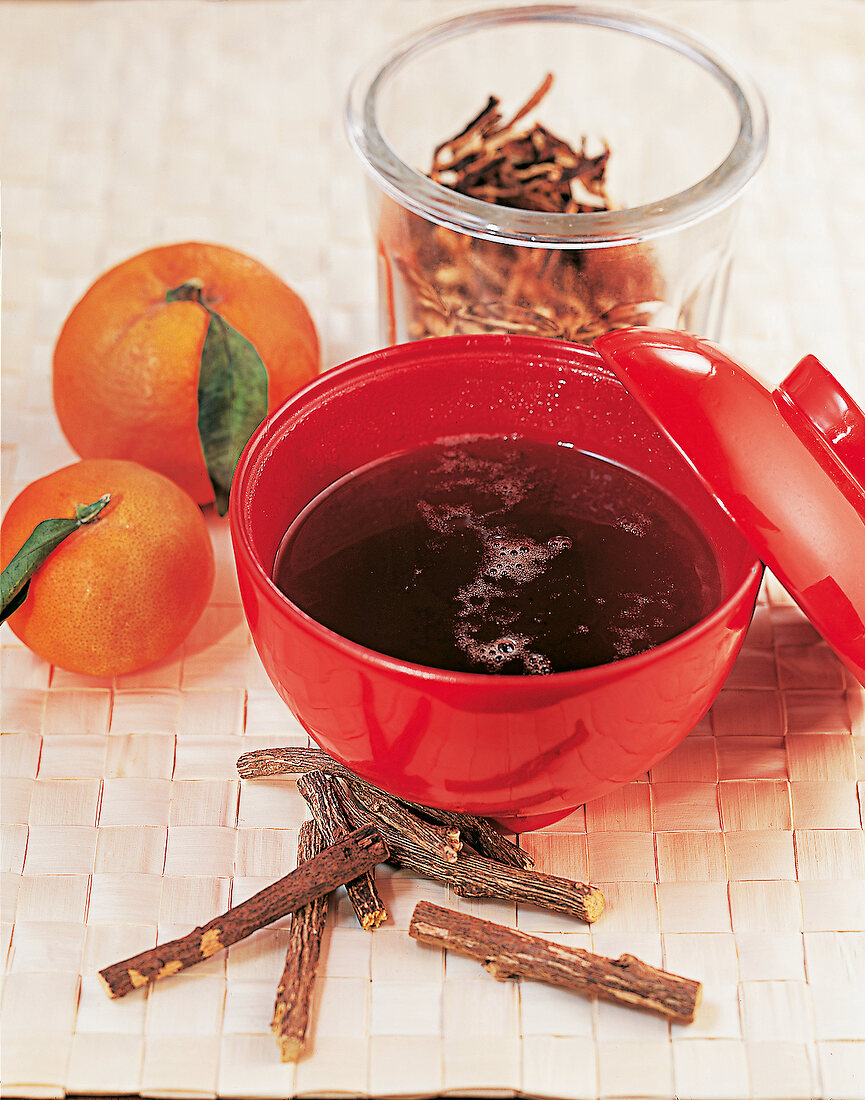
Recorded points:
38,547
232,393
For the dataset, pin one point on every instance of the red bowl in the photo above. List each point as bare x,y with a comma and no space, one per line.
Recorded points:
525,750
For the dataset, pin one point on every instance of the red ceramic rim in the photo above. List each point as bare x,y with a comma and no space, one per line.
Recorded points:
260,443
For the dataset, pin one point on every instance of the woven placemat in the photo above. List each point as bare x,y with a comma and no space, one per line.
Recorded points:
739,860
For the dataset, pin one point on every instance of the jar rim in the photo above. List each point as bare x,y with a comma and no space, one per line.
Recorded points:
435,202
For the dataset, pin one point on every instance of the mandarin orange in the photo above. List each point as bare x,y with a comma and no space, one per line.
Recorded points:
127,361
123,591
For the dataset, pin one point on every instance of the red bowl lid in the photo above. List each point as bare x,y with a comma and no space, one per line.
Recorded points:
788,466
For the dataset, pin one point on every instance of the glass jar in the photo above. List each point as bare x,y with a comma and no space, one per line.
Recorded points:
685,133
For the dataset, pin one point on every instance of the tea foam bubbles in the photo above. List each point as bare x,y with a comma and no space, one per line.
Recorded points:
509,561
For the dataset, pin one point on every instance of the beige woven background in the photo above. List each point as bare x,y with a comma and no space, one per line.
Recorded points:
740,860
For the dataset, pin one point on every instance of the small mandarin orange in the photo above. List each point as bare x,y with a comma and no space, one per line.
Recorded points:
127,360
122,591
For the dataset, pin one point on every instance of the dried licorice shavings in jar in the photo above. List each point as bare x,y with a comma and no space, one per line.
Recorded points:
455,283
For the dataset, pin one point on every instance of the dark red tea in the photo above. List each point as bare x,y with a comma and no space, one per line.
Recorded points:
499,556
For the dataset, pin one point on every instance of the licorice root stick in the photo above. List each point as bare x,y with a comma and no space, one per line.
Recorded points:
509,954
447,845
362,892
470,876
476,831
294,993
341,862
